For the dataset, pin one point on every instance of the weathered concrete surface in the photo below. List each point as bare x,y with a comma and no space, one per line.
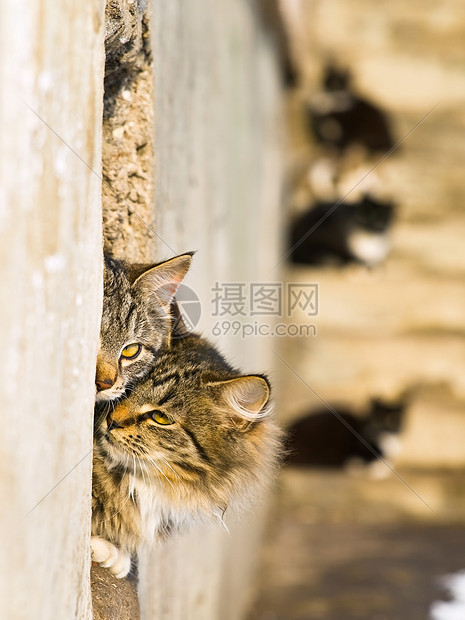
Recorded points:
128,133
51,60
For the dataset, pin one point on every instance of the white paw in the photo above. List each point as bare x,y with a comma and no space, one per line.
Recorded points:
107,555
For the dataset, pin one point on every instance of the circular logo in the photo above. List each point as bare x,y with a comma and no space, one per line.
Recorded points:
187,311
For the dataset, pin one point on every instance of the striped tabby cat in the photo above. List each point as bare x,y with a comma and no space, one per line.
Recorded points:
136,320
191,440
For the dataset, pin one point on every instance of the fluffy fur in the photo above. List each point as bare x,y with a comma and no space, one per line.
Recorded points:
218,450
137,309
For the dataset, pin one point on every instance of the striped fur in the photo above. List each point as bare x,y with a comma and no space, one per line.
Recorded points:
218,452
137,306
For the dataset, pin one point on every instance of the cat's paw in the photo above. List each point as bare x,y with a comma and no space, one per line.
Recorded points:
107,555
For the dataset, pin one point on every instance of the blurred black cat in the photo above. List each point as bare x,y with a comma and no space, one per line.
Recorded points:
320,439
351,232
340,118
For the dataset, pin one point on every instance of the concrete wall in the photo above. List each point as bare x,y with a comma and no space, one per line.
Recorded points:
127,149
51,59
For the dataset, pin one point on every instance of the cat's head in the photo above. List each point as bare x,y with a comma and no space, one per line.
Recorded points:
373,215
336,78
387,416
200,431
136,321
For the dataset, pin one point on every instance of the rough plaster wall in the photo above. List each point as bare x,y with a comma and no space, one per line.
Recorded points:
128,158
217,190
51,58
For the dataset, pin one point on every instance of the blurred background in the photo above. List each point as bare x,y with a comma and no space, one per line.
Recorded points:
375,217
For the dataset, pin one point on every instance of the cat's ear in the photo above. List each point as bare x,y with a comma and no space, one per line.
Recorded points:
247,398
164,278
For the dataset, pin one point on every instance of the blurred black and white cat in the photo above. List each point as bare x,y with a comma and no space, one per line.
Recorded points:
340,118
322,439
332,233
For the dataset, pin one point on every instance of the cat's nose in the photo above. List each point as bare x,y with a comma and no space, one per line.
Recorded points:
104,384
111,424
105,374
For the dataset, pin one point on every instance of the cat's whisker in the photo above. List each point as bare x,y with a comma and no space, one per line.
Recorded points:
132,490
162,473
149,458
102,415
168,465
142,468
220,517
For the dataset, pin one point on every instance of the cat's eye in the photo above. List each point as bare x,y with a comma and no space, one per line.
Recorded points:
131,351
161,418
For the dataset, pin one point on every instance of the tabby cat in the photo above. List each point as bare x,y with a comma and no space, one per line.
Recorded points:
193,439
136,320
